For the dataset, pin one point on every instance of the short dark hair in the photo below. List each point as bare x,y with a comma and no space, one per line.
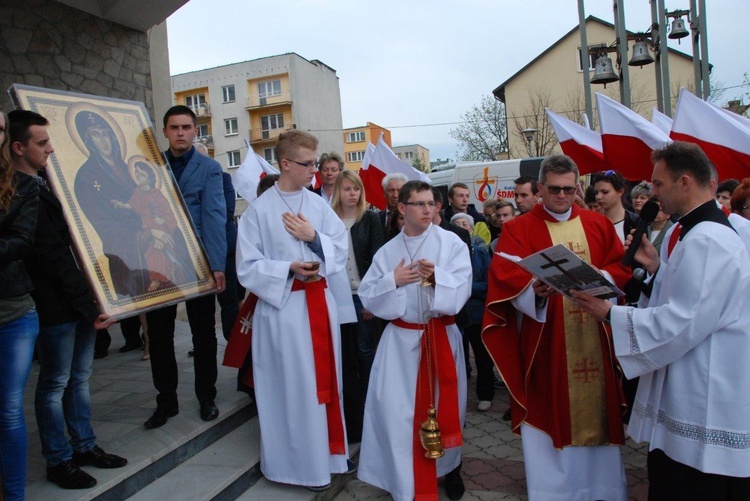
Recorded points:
589,196
410,187
266,182
180,109
436,195
611,177
728,185
559,164
19,122
528,180
454,186
685,158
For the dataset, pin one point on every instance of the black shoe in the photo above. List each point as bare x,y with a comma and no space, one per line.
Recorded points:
454,486
98,458
69,476
318,488
209,411
506,416
130,347
100,354
191,353
160,416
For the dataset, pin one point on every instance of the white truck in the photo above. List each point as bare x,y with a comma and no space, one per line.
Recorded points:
486,180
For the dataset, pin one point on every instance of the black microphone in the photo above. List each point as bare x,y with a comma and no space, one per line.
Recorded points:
648,213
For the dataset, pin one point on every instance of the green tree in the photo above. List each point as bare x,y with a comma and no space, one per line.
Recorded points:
420,165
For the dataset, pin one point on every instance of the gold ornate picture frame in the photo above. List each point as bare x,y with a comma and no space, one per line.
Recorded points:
132,233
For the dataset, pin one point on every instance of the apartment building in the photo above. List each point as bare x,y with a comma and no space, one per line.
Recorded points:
257,100
356,140
415,154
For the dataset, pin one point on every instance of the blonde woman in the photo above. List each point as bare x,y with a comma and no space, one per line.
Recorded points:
358,341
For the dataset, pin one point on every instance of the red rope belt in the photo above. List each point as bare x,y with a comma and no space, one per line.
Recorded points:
325,362
443,371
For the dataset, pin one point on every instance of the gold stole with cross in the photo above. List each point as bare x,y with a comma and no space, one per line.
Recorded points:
583,350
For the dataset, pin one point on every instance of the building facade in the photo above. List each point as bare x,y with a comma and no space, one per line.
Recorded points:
554,79
356,140
257,100
415,154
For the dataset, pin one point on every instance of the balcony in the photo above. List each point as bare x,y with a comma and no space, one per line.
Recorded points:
267,135
255,101
202,111
207,141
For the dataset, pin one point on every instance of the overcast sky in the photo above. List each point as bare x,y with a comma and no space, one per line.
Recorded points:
413,66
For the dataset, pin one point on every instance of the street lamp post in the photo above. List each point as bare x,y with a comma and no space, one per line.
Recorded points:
529,135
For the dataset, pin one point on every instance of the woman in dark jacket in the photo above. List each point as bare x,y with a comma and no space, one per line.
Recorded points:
19,324
358,341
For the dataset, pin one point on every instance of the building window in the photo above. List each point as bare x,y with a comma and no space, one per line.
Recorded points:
269,88
355,137
195,102
592,60
269,122
228,93
233,159
408,155
355,156
230,126
202,130
270,155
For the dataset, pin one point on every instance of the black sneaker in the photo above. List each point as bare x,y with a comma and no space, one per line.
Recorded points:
69,476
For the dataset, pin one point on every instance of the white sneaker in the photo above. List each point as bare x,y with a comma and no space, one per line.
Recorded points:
484,405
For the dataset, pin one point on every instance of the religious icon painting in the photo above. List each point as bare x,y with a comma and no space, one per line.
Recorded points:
129,225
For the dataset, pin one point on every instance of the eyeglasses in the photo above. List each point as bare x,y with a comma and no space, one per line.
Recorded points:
311,163
745,207
609,172
555,190
422,205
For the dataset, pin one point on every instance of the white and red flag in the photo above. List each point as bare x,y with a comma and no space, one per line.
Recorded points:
580,143
253,169
664,122
738,118
725,139
628,139
377,164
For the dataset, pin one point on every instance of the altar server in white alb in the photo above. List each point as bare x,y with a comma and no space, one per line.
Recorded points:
295,332
418,281
691,344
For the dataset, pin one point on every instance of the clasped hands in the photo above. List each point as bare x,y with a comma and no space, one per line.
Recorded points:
421,269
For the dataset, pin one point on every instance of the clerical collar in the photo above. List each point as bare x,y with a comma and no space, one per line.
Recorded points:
560,217
707,211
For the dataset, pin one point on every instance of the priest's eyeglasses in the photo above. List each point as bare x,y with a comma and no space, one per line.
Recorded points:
421,205
555,190
310,164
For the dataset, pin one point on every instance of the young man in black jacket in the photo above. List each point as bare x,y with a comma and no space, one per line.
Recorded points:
68,317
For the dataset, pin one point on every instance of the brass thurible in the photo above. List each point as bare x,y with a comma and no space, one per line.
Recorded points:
429,435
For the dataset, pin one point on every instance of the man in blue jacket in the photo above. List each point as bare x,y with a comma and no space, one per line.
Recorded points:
199,180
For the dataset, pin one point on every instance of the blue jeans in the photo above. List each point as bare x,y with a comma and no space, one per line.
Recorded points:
16,350
368,337
66,358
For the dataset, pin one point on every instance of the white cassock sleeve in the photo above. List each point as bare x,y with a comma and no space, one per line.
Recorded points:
453,278
689,298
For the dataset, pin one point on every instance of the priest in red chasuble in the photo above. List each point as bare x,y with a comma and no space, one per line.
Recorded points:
557,361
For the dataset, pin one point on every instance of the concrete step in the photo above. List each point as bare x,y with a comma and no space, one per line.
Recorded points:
222,470
153,454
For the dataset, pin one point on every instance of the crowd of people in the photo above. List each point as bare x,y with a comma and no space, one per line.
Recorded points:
365,319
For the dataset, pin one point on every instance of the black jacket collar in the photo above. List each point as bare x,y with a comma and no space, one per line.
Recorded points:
708,211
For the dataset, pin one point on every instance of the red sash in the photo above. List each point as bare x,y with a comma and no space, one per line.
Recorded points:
325,362
673,238
444,374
